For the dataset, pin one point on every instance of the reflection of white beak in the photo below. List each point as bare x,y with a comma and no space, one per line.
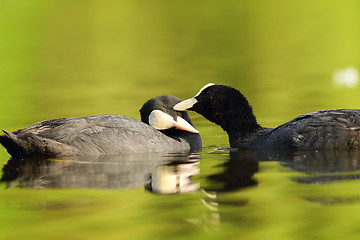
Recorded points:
161,121
168,179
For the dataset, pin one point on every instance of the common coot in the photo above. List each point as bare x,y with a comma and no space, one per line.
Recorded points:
162,130
227,107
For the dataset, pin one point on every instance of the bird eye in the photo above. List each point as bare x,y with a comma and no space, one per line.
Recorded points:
164,108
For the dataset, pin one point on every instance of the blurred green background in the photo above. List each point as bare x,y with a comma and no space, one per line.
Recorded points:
72,58
62,58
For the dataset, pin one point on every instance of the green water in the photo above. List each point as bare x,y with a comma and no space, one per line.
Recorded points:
79,58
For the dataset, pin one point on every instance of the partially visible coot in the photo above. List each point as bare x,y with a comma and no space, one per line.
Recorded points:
162,130
227,107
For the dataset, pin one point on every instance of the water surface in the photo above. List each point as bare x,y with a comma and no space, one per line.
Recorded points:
80,58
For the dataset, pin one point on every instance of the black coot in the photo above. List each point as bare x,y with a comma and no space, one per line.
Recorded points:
162,130
227,107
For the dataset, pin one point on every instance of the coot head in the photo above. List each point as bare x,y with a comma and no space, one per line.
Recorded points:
158,112
222,105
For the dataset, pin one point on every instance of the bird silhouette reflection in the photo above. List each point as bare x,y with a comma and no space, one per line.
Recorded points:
108,171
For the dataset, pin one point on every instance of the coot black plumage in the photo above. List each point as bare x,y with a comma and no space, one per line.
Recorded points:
108,134
227,107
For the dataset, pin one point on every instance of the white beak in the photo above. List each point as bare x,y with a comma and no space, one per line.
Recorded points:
161,121
186,104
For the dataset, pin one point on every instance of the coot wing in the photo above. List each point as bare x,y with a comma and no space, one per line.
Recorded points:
327,129
110,134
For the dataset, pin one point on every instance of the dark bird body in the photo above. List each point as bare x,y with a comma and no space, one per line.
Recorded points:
101,134
227,107
327,129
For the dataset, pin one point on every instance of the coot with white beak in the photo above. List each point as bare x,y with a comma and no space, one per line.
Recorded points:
227,107
162,130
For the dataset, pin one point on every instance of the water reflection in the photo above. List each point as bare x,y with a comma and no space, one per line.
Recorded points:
324,166
237,172
108,171
319,166
174,177
171,173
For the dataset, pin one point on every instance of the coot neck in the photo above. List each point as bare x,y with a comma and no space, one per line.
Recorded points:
240,126
238,119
